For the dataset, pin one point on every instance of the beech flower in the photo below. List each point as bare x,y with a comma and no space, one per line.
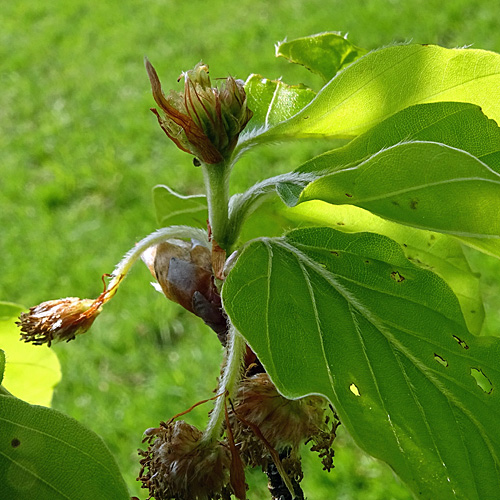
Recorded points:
62,319
282,422
204,121
178,465
57,320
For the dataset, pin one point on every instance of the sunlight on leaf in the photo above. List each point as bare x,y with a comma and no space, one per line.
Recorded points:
390,79
273,101
455,193
448,123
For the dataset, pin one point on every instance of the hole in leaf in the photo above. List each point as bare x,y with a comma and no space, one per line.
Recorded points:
440,360
461,343
334,253
414,203
482,380
354,389
348,195
398,278
15,443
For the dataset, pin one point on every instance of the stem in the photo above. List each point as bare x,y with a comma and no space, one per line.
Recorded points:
159,236
229,384
217,187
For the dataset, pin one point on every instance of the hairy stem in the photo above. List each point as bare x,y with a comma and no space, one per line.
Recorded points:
228,385
159,236
217,188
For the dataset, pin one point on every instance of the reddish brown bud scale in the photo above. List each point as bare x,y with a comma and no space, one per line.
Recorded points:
203,120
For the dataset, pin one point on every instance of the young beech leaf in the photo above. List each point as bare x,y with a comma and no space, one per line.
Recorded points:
324,53
449,123
49,456
390,79
422,184
349,317
175,209
437,252
273,101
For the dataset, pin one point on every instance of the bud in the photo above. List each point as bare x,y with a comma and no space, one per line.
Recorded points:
58,320
204,121
178,465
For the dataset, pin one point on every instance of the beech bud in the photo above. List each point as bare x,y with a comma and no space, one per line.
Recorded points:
203,120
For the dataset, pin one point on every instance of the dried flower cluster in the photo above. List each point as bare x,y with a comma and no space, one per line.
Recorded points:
262,426
58,320
177,465
284,423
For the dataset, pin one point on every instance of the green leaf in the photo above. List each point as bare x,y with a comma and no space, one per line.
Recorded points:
324,53
349,317
31,372
449,123
175,209
49,456
437,252
390,79
273,101
488,246
422,184
2,364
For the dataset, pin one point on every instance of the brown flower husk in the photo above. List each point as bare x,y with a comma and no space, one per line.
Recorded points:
177,466
283,423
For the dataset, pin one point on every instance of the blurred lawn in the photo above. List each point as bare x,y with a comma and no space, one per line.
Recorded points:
80,152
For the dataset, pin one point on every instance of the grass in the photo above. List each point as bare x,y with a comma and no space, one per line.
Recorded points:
80,152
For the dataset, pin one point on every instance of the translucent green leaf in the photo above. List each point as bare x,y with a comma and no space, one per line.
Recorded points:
422,184
488,246
45,455
437,252
449,123
349,317
273,101
388,80
175,209
324,53
31,372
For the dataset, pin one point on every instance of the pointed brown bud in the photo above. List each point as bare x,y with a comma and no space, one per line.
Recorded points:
203,120
58,320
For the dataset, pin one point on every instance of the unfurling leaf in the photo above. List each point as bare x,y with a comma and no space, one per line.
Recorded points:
325,53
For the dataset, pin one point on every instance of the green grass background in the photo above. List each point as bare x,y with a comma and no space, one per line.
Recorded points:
80,152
